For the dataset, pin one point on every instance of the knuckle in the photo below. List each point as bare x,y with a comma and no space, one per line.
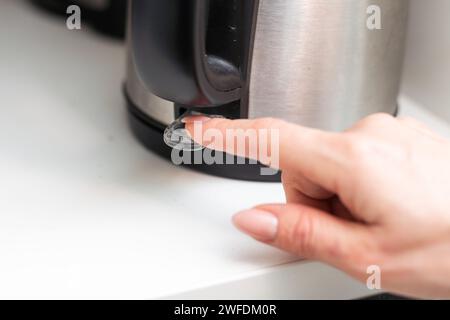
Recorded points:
379,118
302,235
364,151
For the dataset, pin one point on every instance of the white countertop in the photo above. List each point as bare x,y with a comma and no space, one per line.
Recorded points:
87,212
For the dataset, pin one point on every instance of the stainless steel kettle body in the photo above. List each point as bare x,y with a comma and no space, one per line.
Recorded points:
318,63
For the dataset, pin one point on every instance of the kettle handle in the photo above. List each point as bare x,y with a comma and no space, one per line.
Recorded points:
168,39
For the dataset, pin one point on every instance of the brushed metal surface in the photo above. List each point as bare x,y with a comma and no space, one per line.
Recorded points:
317,64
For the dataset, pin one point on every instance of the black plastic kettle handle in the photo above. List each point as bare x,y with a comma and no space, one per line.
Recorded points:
169,49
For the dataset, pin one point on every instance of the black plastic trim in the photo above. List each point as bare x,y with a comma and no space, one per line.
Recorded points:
169,49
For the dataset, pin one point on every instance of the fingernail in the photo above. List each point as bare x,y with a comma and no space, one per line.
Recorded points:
259,224
192,119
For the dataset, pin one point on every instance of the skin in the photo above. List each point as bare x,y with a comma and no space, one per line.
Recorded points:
376,194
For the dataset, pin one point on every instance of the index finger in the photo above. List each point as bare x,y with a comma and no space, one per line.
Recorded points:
312,153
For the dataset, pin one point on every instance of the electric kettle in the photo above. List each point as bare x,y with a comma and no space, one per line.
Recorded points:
318,63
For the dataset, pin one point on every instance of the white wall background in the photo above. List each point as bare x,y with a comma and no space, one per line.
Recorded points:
427,63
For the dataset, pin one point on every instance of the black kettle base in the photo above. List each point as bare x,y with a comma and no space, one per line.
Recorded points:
150,133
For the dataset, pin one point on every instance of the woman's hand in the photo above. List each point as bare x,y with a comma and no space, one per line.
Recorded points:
377,194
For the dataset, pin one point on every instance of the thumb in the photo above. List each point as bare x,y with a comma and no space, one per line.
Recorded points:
309,233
